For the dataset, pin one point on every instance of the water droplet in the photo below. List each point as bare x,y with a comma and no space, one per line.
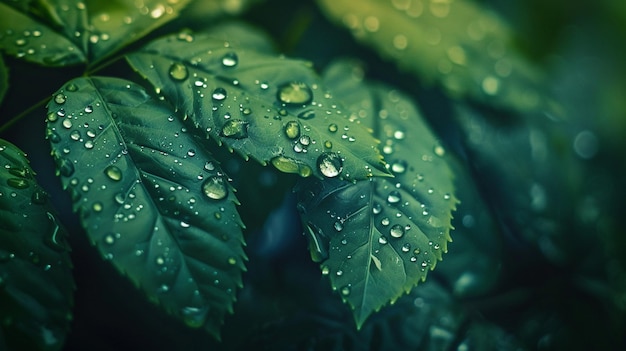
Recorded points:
384,221
235,128
60,99
333,128
71,87
396,231
219,94
398,134
113,172
338,226
292,129
159,260
394,197
230,59
308,114
345,291
288,165
439,150
376,208
178,71
232,261
382,240
406,247
295,93
88,109
109,239
215,188
194,317
67,124
330,164
325,270
339,273
65,167
18,183
399,167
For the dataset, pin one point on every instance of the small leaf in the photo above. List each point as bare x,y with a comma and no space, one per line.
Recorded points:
377,239
462,46
26,36
36,284
265,106
4,79
150,196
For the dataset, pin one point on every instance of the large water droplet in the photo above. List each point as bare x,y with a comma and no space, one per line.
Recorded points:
399,167
235,128
295,93
178,71
330,164
215,188
194,317
288,165
230,59
60,99
292,129
18,183
396,231
394,197
113,173
219,94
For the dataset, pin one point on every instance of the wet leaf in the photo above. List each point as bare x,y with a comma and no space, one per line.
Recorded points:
36,284
25,35
116,24
150,196
269,107
464,47
4,79
376,239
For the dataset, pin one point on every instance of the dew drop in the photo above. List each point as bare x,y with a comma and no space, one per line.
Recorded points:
439,150
235,128
330,164
394,197
307,114
398,167
215,188
88,109
333,128
219,94
178,72
194,317
294,93
491,85
406,247
396,231
18,183
113,173
292,129
345,291
325,270
338,226
384,221
230,59
288,165
382,240
339,273
109,239
377,208
60,99
67,124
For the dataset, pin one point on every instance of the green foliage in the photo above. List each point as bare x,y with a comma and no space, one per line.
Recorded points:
437,132
36,284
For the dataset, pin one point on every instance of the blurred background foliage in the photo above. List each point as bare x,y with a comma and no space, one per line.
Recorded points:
537,260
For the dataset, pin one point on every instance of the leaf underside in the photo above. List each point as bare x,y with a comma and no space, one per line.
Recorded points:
268,107
35,266
465,48
376,239
150,196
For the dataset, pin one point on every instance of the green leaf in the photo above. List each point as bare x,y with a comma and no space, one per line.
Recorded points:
150,196
462,46
376,239
265,106
36,284
4,79
26,36
116,24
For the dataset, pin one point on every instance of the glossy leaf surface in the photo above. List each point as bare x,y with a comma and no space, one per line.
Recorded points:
26,35
271,108
36,283
150,196
376,239
462,46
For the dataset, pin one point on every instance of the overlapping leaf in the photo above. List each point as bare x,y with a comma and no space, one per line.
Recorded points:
25,35
262,105
465,48
150,196
376,239
67,32
36,284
